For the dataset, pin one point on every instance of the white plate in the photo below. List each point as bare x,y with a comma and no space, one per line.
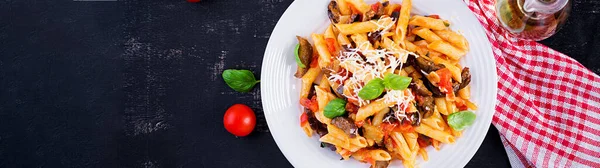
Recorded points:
280,90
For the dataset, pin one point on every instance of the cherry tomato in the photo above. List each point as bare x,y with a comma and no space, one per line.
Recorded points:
239,120
375,7
330,44
193,1
303,119
311,104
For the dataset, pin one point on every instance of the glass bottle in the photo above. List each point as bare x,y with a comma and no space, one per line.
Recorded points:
532,19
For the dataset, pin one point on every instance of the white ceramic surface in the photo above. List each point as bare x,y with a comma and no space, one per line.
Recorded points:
280,90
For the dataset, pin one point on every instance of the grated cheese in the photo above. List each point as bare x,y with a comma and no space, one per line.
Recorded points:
401,99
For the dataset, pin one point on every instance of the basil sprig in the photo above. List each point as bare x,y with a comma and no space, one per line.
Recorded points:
396,82
298,61
374,88
461,120
239,80
335,107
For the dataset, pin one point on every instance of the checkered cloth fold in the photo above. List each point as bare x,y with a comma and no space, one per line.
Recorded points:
548,109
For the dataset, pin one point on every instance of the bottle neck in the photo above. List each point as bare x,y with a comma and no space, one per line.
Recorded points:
544,6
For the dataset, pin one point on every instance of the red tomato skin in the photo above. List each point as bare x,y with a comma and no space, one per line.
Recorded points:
239,120
303,119
193,1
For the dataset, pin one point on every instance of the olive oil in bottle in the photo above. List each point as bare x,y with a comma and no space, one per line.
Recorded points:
532,19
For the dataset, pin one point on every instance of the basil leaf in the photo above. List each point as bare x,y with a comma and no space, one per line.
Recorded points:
300,64
396,82
372,89
335,107
239,80
461,120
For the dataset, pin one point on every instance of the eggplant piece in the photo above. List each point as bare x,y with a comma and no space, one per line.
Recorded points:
333,11
390,117
465,74
381,164
424,139
414,118
315,124
425,102
305,54
369,16
354,18
434,90
425,106
328,145
385,4
466,79
374,36
346,124
418,85
427,65
395,15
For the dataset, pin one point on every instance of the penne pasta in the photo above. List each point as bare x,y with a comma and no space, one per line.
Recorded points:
365,155
343,152
399,53
370,109
365,27
410,46
378,118
343,40
470,105
435,121
322,49
330,35
465,93
403,21
372,132
344,8
411,140
427,22
423,154
440,105
323,97
451,107
402,145
361,41
453,38
307,130
391,8
307,80
324,83
426,34
447,49
435,134
360,5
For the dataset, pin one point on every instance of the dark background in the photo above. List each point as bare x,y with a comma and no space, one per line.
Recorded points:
137,83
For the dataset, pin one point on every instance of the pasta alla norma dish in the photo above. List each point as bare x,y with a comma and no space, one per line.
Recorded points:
382,84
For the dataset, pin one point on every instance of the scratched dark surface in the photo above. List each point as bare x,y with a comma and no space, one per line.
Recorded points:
137,84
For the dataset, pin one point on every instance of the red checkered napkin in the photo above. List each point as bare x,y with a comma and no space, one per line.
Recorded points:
548,109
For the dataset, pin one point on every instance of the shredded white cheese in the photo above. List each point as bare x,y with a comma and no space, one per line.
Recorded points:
401,99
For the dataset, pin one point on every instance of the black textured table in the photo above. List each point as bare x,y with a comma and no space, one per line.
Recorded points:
137,84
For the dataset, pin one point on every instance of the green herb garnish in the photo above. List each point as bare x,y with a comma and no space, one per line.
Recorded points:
461,120
396,82
335,107
372,89
239,80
